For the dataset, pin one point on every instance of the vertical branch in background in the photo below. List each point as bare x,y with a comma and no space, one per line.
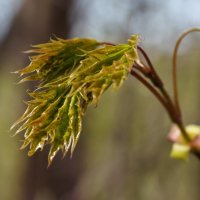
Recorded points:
174,65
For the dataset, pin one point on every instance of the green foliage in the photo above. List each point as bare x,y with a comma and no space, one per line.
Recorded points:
72,74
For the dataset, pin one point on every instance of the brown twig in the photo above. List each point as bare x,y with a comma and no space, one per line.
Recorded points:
174,68
155,92
156,80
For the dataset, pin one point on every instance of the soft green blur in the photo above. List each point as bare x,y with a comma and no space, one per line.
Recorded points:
123,151
126,153
11,164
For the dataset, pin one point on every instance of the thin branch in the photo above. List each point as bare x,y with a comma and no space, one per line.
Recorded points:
158,81
173,111
174,68
155,92
167,103
146,57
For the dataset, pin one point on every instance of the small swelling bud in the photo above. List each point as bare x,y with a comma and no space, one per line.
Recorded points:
181,148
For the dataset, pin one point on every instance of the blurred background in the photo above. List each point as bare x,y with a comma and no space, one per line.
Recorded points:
122,153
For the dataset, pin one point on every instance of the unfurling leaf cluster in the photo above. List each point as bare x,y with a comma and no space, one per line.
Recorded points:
72,74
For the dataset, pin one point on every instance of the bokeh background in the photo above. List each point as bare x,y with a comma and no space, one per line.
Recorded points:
122,153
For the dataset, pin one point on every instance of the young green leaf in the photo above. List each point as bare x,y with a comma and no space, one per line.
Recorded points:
73,74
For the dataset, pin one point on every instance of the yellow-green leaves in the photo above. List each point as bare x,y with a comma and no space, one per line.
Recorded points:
56,58
72,74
